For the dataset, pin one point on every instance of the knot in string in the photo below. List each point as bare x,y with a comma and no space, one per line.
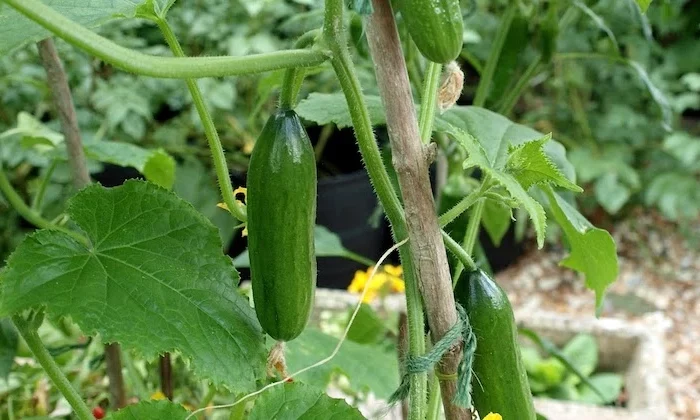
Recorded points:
419,364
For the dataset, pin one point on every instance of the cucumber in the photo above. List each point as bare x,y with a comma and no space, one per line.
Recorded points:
500,385
281,207
435,26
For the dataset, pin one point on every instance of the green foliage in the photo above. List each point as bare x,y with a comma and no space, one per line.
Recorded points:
303,402
570,374
9,340
593,250
151,410
148,251
367,367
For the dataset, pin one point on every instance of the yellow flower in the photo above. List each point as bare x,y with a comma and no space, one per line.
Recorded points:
240,203
157,396
493,416
386,280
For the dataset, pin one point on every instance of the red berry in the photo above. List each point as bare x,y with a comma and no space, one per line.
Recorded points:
98,412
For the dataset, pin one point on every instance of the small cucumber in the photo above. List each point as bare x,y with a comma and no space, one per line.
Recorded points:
281,207
435,26
500,380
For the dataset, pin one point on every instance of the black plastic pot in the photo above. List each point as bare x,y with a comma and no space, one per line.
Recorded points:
346,203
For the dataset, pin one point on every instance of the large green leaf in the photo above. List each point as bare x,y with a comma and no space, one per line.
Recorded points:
151,410
496,220
326,108
327,245
301,402
368,368
153,277
593,250
8,346
16,30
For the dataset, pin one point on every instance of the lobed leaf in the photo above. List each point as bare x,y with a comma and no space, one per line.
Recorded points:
301,402
152,277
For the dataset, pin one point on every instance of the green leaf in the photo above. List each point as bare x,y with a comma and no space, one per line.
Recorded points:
152,278
368,368
550,372
676,194
494,131
326,108
564,391
300,402
611,193
155,164
497,134
163,409
609,384
16,30
34,134
644,5
656,94
582,353
8,347
368,327
496,220
593,250
531,166
327,245
477,157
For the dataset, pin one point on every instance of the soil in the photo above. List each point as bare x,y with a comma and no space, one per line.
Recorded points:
659,274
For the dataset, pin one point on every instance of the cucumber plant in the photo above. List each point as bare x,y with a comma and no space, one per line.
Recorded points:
138,266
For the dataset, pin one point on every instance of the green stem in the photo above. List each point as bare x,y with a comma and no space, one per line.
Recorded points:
294,76
29,214
513,96
323,138
482,91
217,151
434,398
166,67
41,354
470,236
447,217
454,247
472,60
590,56
359,258
429,101
334,36
39,197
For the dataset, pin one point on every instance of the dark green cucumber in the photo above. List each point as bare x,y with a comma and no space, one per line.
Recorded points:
500,380
281,206
435,26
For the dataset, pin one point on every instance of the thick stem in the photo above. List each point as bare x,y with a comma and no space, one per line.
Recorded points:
51,368
166,67
63,103
335,39
482,91
426,245
217,151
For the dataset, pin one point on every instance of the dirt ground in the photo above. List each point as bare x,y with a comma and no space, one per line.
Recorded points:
659,271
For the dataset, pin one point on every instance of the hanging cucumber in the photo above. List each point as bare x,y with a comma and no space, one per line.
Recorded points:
435,26
281,207
501,384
